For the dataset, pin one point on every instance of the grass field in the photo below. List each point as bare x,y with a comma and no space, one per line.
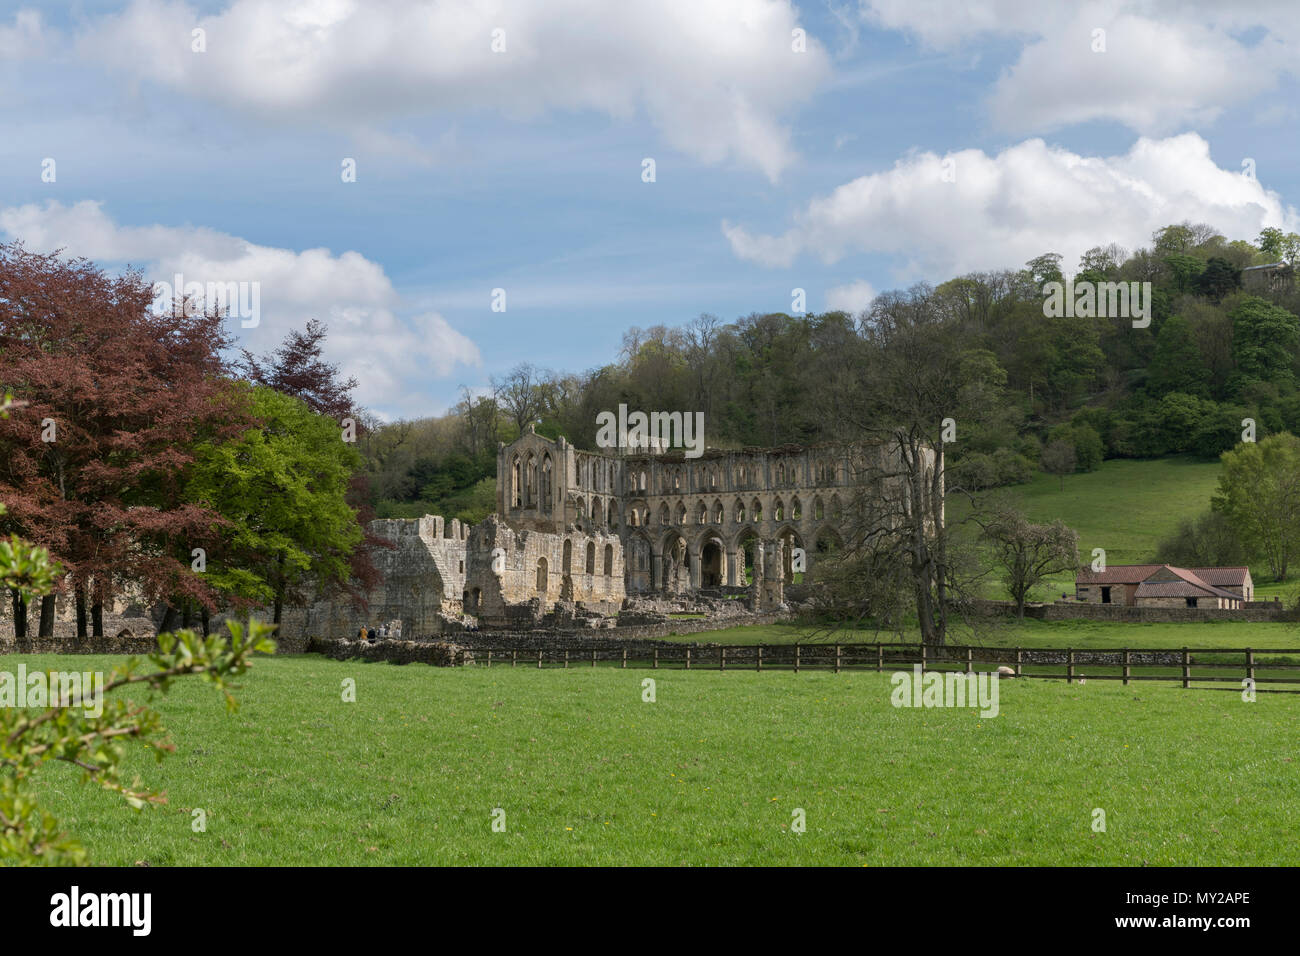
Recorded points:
709,774
1124,507
1030,633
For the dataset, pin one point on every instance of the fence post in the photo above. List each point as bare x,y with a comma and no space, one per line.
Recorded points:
837,658
1126,667
796,657
514,656
1018,660
688,657
760,658
1187,670
1250,664
624,658
489,657
566,658
880,656
539,658
923,656
593,657
969,662
722,658
1069,665
655,666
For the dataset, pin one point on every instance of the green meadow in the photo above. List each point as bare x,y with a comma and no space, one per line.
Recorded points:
1125,507
713,772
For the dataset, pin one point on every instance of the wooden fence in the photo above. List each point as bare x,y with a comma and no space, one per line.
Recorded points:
1187,665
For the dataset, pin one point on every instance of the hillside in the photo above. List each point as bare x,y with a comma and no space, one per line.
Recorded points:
1126,506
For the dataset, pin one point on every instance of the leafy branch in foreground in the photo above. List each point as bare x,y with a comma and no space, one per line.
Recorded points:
81,727
89,731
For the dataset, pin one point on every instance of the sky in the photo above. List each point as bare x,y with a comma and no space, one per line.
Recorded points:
586,166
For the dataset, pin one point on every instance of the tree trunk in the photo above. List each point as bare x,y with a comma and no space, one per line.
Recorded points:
97,619
279,594
170,617
47,616
187,614
81,614
20,615
203,616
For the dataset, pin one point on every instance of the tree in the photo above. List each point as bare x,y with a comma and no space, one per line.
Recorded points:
117,395
1219,278
77,726
1259,491
1208,540
915,372
521,394
1184,268
280,489
1058,459
1264,341
298,370
1028,553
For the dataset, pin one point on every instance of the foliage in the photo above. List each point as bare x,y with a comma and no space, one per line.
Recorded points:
90,731
1026,553
1259,491
281,490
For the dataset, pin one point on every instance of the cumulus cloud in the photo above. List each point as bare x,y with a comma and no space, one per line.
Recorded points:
1156,66
966,211
716,77
25,39
368,337
851,297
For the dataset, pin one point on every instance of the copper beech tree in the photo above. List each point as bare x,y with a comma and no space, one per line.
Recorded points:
116,397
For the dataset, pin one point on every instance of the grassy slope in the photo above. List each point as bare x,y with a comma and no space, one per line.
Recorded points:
588,773
1125,507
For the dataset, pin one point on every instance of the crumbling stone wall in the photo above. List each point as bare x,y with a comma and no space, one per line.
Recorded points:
422,582
521,574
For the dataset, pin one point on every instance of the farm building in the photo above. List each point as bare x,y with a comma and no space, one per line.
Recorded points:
1163,585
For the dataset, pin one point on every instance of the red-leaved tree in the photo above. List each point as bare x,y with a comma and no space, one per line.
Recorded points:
116,396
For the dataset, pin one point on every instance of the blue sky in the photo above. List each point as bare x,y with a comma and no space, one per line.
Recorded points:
907,141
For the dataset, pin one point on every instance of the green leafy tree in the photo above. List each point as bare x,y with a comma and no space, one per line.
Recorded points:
1177,365
1264,341
1184,269
1218,279
1087,445
1259,491
282,489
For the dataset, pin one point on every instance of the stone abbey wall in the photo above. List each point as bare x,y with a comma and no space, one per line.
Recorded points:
685,523
509,567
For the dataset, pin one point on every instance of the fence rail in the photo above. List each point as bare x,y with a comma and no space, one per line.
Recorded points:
1186,665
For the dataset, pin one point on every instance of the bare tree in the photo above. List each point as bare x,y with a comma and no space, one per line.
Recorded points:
521,394
1027,553
917,386
1059,459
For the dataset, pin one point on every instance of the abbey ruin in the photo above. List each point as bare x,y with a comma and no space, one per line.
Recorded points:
583,539
581,535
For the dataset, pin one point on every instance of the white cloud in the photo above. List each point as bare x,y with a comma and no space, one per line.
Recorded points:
352,295
715,76
1166,66
26,39
994,212
852,297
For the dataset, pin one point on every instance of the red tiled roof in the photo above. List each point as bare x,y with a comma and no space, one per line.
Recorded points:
1222,577
1194,582
1118,574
